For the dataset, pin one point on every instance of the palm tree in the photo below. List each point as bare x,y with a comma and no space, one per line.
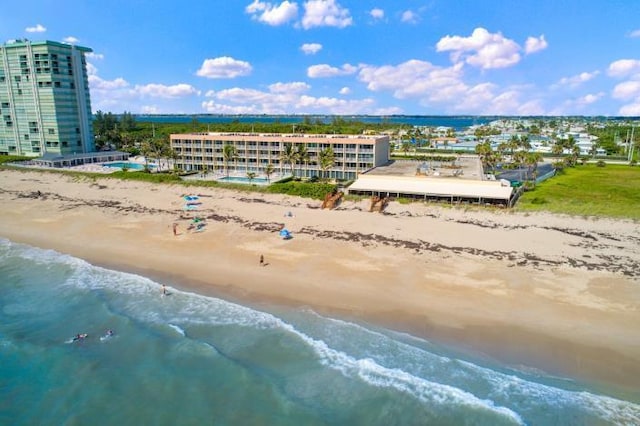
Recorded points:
229,153
327,159
251,176
406,147
269,171
289,155
486,155
302,156
532,159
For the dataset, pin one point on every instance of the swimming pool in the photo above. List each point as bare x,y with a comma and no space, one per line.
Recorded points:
240,179
126,164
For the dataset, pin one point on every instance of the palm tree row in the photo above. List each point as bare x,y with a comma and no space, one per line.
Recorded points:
519,156
291,155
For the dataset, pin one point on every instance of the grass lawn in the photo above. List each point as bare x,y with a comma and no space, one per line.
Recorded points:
612,191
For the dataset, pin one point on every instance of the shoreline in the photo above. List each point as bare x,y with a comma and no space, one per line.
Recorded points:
553,293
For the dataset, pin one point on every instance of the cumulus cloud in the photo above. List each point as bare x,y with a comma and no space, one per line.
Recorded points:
272,14
589,98
97,83
414,78
376,13
224,67
149,109
630,110
324,70
94,56
311,48
345,91
624,67
627,90
578,79
294,87
635,33
444,89
325,13
409,17
535,44
37,29
482,49
163,91
281,98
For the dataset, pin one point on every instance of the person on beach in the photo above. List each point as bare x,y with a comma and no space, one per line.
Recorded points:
175,229
261,260
164,290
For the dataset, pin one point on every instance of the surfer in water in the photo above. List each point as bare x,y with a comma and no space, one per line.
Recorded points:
80,337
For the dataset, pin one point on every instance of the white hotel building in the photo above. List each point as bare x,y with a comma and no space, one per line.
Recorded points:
353,154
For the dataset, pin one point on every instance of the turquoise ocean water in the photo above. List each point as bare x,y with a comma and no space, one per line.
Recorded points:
189,359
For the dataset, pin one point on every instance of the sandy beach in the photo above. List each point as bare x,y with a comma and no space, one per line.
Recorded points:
555,293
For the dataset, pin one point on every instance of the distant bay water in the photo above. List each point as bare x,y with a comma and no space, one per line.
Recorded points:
457,122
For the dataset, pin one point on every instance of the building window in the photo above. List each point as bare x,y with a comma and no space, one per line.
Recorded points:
51,131
16,78
56,84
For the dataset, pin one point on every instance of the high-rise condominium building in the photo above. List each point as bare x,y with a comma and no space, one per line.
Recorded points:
44,99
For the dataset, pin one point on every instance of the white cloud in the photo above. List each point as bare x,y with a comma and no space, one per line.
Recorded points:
415,78
630,110
94,56
273,14
635,33
578,79
37,29
282,98
589,98
163,91
70,40
444,89
324,70
224,67
150,109
487,50
409,17
627,90
311,48
294,87
389,111
345,91
624,67
98,83
325,13
535,44
376,13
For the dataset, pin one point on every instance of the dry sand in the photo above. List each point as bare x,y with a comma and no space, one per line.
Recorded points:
556,293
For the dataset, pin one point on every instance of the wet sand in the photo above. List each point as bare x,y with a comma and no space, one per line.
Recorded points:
534,291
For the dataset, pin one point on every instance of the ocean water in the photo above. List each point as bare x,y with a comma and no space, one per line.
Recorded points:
189,359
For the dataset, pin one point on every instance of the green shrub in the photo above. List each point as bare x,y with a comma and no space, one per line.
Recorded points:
302,189
12,158
601,163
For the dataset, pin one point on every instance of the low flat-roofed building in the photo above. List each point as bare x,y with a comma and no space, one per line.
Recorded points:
353,154
434,189
56,160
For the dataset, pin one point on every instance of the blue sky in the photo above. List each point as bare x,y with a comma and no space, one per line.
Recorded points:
434,57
